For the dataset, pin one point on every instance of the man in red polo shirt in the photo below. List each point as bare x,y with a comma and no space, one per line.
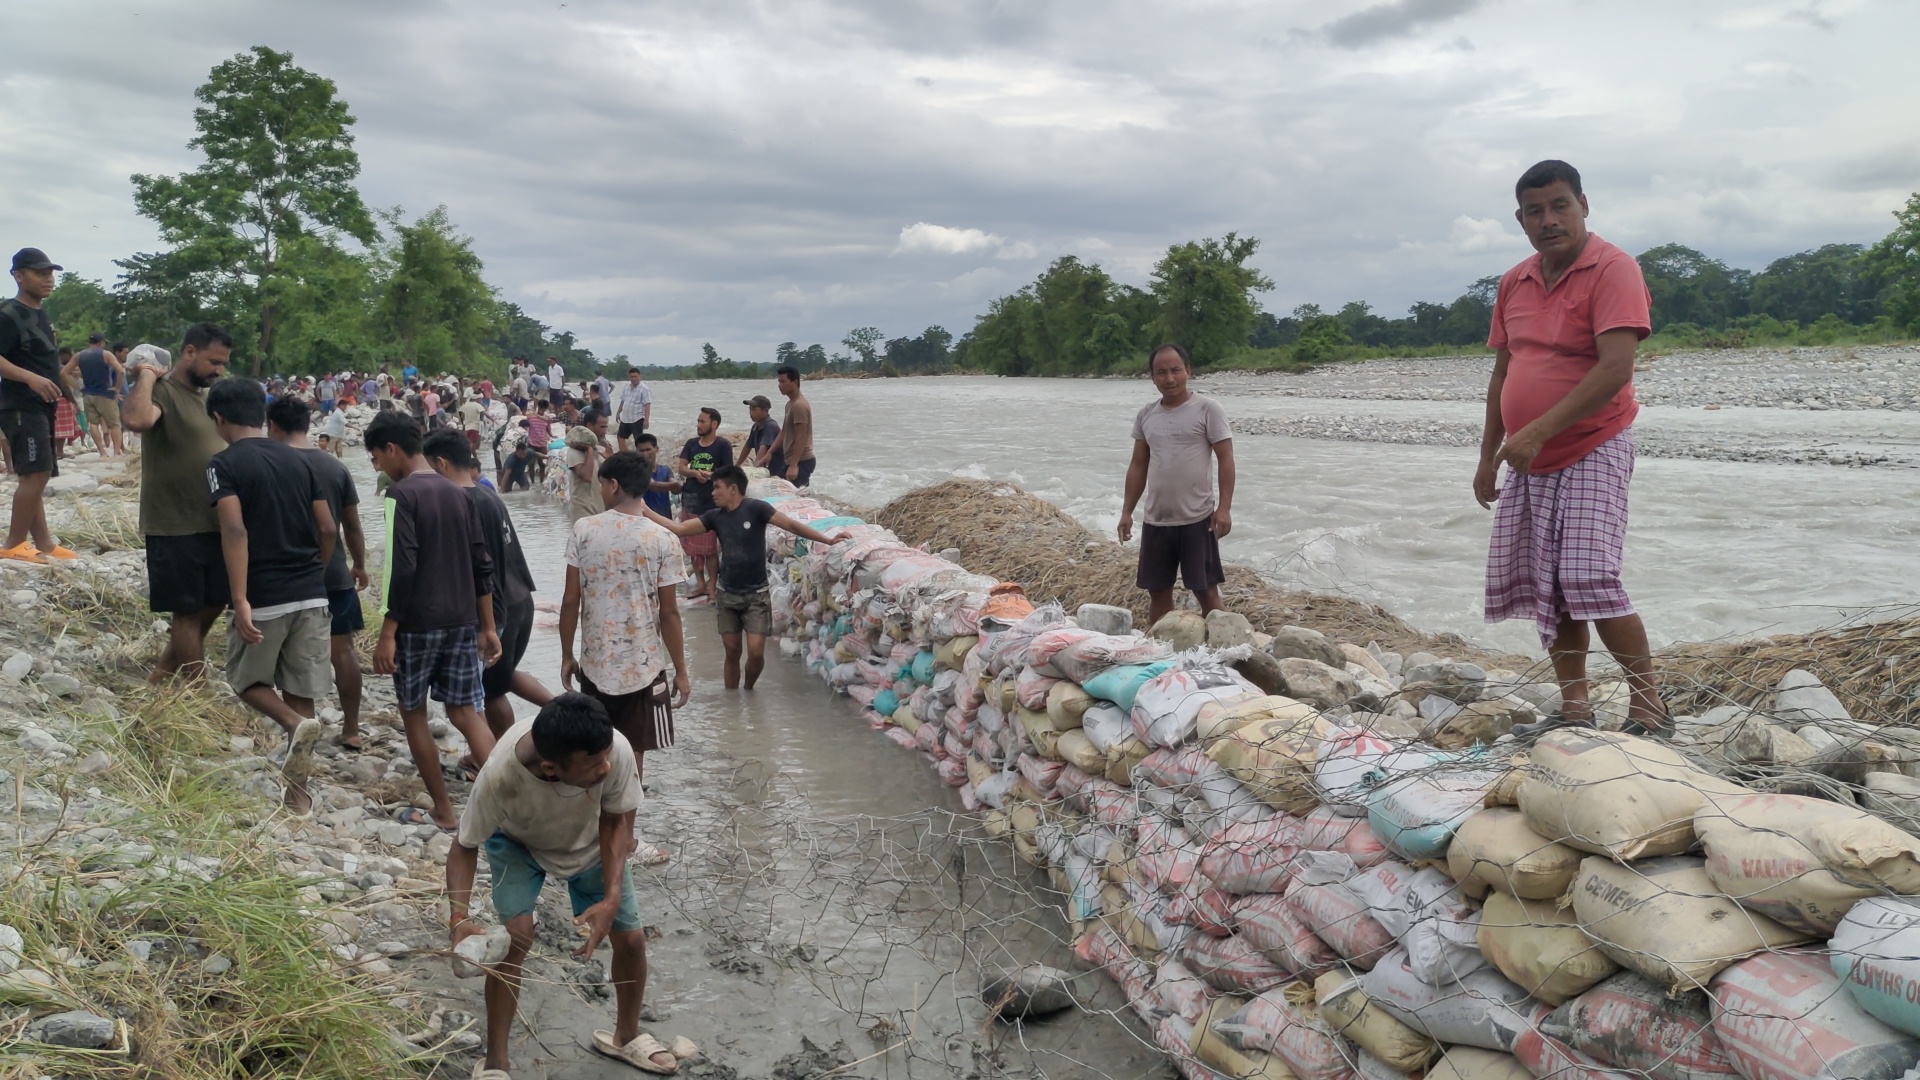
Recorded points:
1560,411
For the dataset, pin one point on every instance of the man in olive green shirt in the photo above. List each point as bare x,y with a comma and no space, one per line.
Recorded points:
186,569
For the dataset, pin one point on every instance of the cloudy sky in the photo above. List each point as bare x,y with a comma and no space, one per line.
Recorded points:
655,174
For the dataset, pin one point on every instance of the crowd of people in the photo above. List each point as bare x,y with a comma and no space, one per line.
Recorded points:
245,510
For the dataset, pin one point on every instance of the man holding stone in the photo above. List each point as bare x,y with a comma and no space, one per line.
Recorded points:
1560,410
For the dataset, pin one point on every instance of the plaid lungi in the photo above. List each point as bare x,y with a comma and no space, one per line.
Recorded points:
1558,541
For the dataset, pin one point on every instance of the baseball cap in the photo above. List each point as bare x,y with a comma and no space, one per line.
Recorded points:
758,401
33,259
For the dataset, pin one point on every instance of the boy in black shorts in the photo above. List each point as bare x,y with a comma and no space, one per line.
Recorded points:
438,634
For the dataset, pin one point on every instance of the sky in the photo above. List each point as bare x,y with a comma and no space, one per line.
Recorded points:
653,175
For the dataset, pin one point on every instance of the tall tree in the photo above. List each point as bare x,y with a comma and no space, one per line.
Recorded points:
1895,265
1205,289
864,343
435,305
79,307
1689,287
280,166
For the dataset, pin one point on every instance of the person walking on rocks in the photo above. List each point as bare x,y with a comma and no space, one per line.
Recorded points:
793,453
1560,410
277,533
558,798
437,635
622,570
699,458
288,420
743,605
186,572
30,389
1175,443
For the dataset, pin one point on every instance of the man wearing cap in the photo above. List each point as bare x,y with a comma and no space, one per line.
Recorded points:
29,386
101,379
635,409
765,434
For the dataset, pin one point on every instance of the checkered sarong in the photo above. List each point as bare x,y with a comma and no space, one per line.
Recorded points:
1558,540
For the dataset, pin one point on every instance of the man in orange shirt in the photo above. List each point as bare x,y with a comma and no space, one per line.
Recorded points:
1560,411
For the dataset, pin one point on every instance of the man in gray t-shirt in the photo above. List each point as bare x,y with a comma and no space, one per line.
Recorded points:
1175,441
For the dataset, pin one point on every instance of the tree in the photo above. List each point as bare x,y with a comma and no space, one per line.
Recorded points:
862,343
710,360
79,307
1689,287
434,304
813,358
1205,292
280,166
1894,264
1802,288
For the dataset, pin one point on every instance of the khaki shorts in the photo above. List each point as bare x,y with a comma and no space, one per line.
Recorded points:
295,656
745,612
101,409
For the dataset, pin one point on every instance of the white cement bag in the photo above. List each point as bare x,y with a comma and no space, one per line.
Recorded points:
1783,1015
1540,947
1333,911
1286,1023
1614,795
1550,1059
1629,1023
1803,862
1665,919
1497,849
1106,726
1483,1009
1425,913
1876,950
1165,709
1349,1012
1473,1063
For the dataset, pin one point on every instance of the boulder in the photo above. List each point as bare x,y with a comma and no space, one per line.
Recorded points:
1895,799
78,1029
73,483
1264,672
1318,684
1479,722
1104,619
1354,654
1800,698
1182,629
1453,681
1762,742
1305,644
1225,629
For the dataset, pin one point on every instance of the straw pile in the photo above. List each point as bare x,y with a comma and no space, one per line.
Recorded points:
1004,532
1872,667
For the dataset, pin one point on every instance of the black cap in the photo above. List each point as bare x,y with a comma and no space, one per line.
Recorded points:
33,259
758,401
96,338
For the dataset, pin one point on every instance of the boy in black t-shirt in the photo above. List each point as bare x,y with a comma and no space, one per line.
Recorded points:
277,534
29,386
740,526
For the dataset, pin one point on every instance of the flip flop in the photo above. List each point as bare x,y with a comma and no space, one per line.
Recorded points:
297,765
60,552
413,815
638,1053
481,1072
349,747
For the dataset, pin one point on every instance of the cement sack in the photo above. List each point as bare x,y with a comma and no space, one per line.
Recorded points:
1179,990
1067,705
1348,1011
1099,653
1231,964
954,746
1218,718
1174,1036
1473,1063
1615,795
1252,856
1483,1009
1030,689
1071,782
1876,950
1425,913
1041,650
1665,919
1507,791
1219,1045
1229,799
1784,1015
1041,773
1121,684
901,737
1106,725
928,739
1337,915
1325,829
1164,855
1416,815
1628,1023
1497,849
1269,924
1109,803
1541,948
952,654
994,790
1551,1059
1368,1067
1166,708
1206,909
978,771
1174,768
1274,758
1286,1023
1803,862
1350,763
1122,757
1025,819
905,716
1101,948
1117,910
1077,750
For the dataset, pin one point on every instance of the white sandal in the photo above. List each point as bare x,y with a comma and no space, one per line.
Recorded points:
638,1053
481,1072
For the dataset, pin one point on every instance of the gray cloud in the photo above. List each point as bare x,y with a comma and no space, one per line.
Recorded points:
1394,19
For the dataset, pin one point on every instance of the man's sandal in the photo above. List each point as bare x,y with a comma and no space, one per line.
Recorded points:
481,1072
639,1053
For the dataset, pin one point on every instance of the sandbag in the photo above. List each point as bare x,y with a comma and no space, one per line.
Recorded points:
1326,829
1067,705
1665,919
1219,718
1252,856
1483,1009
1105,725
1550,1059
1336,914
1228,798
1232,964
1348,1011
1220,1045
1122,757
951,655
1416,815
1041,650
1497,848
1030,689
1076,749
1165,709
1179,990
1098,653
1541,948
1206,909
1273,756
1121,684
1783,1015
1876,950
1426,914
1629,1023
1040,773
1174,768
1164,855
1615,795
1286,1023
1269,923
1803,862
1101,948
1473,1063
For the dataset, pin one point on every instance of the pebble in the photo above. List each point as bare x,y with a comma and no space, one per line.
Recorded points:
216,964
94,764
79,1030
392,833
17,667
12,948
23,598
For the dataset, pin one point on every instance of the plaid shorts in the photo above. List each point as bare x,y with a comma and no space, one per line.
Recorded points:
1559,540
447,662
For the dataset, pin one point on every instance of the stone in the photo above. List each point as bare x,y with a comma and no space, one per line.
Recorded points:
1372,694
94,764
1800,698
1226,629
439,847
1298,642
1455,682
23,598
1544,697
1479,722
1317,684
1817,737
373,879
1104,619
72,483
1388,659
1263,671
79,1030
240,744
17,667
215,965
12,949
393,948
1895,799
392,833
484,950
1354,654
439,728
1182,629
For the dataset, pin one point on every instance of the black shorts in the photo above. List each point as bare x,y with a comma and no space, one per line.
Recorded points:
515,632
344,606
1192,550
186,574
777,465
632,430
645,717
29,434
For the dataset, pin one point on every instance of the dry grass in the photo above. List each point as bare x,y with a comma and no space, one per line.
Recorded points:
103,525
1873,667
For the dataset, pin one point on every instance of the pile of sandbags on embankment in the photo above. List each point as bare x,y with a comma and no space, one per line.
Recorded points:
1304,858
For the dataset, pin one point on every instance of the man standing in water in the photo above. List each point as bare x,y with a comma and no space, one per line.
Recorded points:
186,572
744,606
1560,411
30,368
1175,441
793,456
701,455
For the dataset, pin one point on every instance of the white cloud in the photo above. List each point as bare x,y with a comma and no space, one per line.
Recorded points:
1472,235
944,239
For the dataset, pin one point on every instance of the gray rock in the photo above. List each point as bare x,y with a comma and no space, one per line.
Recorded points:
94,764
12,948
1298,642
392,833
373,879
78,1029
1895,799
1479,722
59,684
1817,737
1455,682
1181,629
1359,657
1226,629
1389,659
216,965
1104,619
1317,684
17,667
1263,671
1800,698
393,948
484,950
23,598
